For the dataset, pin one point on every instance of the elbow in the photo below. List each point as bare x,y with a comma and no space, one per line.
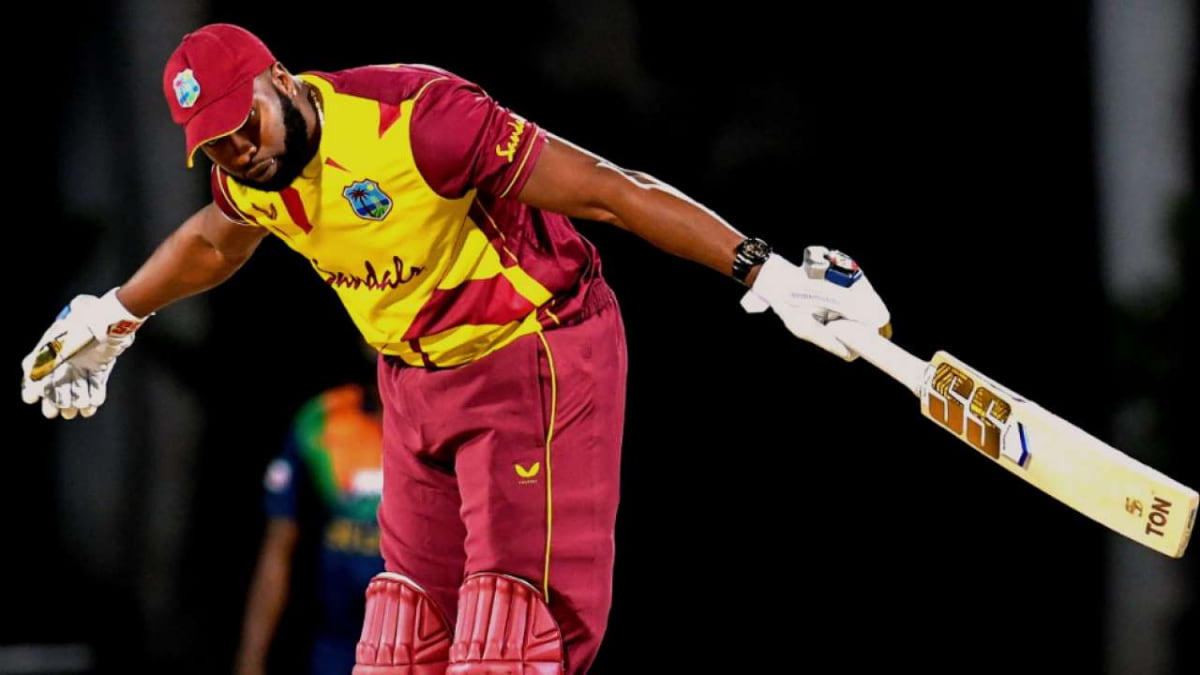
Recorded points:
621,198
215,264
226,264
232,259
608,217
601,208
232,253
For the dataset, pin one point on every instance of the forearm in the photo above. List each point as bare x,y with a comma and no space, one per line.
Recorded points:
572,181
673,222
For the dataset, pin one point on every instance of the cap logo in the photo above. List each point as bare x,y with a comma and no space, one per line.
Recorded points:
187,89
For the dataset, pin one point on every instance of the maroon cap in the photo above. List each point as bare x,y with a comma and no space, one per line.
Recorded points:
209,81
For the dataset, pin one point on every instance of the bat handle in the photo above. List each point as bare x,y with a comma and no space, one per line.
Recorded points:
60,348
882,353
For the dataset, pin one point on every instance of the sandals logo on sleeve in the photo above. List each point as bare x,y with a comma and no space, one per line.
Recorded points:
507,152
368,200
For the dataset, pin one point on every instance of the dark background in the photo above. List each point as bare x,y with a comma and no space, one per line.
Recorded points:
780,509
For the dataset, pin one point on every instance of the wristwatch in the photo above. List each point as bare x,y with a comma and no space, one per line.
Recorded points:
750,252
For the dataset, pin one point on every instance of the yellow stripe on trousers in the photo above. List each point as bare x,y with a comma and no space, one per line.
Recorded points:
549,473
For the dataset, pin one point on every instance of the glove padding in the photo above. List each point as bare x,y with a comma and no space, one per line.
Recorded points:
829,285
79,385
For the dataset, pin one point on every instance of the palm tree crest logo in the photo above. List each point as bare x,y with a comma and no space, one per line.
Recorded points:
368,200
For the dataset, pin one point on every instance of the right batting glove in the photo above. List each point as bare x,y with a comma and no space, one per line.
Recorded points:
828,285
68,370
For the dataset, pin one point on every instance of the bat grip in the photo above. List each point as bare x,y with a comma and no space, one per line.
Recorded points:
881,353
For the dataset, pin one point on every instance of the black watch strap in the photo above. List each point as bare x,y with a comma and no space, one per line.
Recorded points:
749,252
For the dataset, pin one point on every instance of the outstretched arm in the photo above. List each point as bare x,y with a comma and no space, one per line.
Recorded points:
68,369
825,286
205,251
569,180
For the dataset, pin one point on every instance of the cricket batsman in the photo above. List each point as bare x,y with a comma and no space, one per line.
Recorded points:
442,221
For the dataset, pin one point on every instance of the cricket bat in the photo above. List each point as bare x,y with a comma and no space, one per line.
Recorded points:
1043,449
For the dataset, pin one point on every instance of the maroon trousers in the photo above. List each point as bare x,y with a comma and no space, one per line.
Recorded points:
512,464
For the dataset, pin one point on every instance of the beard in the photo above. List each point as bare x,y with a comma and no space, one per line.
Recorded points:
296,150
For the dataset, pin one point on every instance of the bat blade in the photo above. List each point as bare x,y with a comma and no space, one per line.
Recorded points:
1053,455
1059,458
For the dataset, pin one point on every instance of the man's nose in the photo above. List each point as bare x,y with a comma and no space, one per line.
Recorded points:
242,147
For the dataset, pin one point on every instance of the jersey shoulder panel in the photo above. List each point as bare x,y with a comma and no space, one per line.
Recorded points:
392,84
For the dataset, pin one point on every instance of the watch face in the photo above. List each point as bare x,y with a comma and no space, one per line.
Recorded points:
756,249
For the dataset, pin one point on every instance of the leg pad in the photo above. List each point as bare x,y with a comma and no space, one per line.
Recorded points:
404,632
504,628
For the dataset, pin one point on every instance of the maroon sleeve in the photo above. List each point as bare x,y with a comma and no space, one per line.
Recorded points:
462,139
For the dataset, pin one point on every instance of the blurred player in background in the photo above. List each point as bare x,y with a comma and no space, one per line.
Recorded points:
442,221
332,456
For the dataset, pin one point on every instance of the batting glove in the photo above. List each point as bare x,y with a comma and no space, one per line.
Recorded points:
827,286
68,370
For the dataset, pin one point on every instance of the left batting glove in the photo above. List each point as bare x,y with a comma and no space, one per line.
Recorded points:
69,368
828,285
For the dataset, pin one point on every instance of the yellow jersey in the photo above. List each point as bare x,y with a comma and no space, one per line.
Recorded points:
408,211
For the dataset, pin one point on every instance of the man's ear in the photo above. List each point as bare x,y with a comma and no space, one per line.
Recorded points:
282,79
